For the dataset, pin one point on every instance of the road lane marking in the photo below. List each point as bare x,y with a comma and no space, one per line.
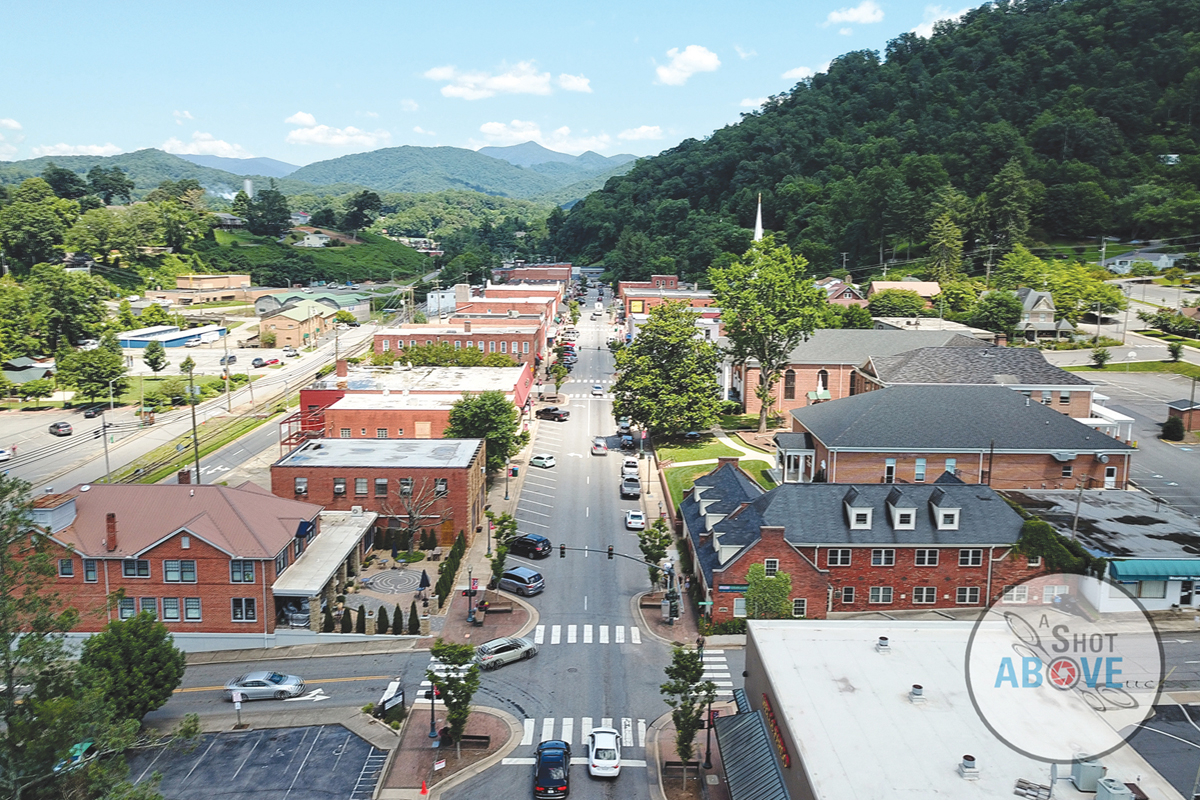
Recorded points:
635,635
587,634
606,722
536,503
626,732
568,728
531,522
572,631
641,728
555,634
527,737
585,729
539,634
538,513
619,630
603,634
547,729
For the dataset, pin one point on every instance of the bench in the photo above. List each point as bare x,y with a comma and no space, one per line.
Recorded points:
435,554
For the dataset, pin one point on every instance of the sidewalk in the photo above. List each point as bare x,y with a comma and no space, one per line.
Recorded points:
712,781
413,760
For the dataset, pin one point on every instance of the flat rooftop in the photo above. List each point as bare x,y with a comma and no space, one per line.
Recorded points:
859,736
341,531
680,293
428,380
416,331
392,402
360,453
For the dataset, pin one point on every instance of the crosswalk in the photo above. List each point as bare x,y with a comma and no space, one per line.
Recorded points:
439,669
716,669
587,634
633,730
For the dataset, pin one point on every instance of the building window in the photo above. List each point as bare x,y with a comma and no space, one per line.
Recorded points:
951,465
925,594
179,571
1068,470
381,487
360,487
880,594
823,379
458,344
799,607
1035,561
1154,590
406,487
191,609
861,519
504,347
919,471
839,558
947,520
281,563
339,485
301,485
170,609
440,487
344,433
400,432
970,558
967,596
771,566
362,431
883,558
126,608
1047,397
926,558
297,547
135,568
66,568
241,571
524,347
739,607
889,471
1064,398
381,433
89,570
386,345
148,604
243,609
789,385
904,519
1015,594
847,594
185,543
492,346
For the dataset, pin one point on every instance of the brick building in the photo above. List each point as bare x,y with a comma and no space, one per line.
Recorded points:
526,343
444,477
390,416
640,301
852,548
299,325
202,558
670,282
982,434
533,273
1186,411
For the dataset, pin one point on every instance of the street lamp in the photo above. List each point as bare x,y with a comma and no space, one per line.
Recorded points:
507,472
110,393
708,721
470,596
433,734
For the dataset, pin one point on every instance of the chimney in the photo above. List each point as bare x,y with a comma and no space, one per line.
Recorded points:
343,368
110,531
184,476
723,460
1001,340
466,326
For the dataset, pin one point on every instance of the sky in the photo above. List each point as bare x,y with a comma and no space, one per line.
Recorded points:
305,81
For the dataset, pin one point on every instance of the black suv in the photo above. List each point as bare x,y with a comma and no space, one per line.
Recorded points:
553,413
552,770
531,545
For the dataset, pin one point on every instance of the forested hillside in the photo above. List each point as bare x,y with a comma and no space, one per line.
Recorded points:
1023,122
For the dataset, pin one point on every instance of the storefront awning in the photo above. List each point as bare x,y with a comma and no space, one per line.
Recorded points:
1155,569
748,756
341,531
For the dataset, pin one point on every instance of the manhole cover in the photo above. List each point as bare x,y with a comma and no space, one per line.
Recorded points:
572,669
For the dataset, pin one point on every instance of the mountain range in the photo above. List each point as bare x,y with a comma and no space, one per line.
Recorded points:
244,166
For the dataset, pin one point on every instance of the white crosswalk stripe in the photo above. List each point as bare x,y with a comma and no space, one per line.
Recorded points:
527,737
555,634
587,634
440,669
585,728
631,729
619,633
716,667
641,733
547,729
603,634
606,722
635,635
568,728
539,634
571,632
626,732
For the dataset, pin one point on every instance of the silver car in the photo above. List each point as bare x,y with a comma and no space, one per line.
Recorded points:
265,686
499,652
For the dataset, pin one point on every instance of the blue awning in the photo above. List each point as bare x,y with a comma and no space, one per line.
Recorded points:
1155,569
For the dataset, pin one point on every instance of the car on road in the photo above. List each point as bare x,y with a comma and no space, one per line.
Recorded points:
522,580
291,354
627,442
631,487
258,362
499,652
531,545
629,468
61,428
192,342
552,770
624,426
230,359
599,447
265,685
635,520
545,461
595,315
597,391
5,454
306,290
553,413
604,753
92,413
270,362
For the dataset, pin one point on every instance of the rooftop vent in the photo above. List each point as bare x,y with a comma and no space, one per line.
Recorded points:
968,769
882,645
1086,773
917,693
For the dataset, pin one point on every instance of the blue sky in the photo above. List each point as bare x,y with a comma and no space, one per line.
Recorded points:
305,81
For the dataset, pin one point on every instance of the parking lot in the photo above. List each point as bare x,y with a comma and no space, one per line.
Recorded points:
311,763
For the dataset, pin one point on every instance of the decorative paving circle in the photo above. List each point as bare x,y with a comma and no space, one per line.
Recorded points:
394,581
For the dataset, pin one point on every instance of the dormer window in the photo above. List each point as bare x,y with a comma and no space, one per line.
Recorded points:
948,520
860,519
905,520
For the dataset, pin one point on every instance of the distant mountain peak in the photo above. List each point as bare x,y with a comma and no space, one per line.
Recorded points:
527,154
268,167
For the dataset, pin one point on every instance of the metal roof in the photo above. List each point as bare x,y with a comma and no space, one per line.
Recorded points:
379,453
1004,366
748,756
1154,569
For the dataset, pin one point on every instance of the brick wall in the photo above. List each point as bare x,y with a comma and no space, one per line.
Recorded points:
838,385
399,423
655,282
643,304
529,341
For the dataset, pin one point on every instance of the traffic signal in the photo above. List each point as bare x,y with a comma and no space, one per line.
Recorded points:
610,553
562,551
432,693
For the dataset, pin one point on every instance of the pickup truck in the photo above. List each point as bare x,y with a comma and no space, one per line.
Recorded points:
631,487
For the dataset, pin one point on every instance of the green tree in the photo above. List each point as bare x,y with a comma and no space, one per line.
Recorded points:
344,316
653,542
397,621
125,319
768,306
359,210
998,312
1019,267
504,530
381,622
687,693
65,183
241,204
268,213
323,218
768,597
1142,269
153,314
1174,275
35,390
666,378
93,372
1173,429
559,373
327,624
414,621
360,619
945,250
457,684
110,184
136,663
1007,203
35,222
1175,349
155,356
574,311
957,296
66,307
853,317
896,303
347,621
1100,357
491,416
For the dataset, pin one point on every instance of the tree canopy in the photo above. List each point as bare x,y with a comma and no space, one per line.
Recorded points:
491,416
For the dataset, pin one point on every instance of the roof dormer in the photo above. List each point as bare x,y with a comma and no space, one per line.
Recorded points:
945,514
901,510
858,511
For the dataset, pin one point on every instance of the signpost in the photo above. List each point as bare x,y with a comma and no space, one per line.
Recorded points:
238,697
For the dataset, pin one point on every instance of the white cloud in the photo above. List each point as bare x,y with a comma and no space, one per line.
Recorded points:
420,130
575,83
7,149
371,114
205,144
301,118
864,13
641,132
180,116
744,54
934,15
561,139
798,74
10,124
753,102
408,105
686,63
845,31
108,149
521,78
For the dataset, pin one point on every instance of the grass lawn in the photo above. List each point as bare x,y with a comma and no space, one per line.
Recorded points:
759,472
1170,337
1176,367
707,447
169,458
1091,250
680,479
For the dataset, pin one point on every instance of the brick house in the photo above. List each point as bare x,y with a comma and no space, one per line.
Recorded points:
852,548
526,343
204,559
1186,411
445,476
824,367
299,325
670,282
390,416
982,434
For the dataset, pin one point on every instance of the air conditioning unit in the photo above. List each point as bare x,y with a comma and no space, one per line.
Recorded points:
339,490
1112,789
356,511
1086,773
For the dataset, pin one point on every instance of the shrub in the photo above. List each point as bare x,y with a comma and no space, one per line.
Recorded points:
1172,429
327,623
381,622
1100,357
1176,350
397,621
347,621
414,622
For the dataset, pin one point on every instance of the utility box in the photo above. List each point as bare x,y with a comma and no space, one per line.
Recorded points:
1085,773
1112,789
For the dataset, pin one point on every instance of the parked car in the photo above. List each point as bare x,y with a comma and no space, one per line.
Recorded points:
192,342
604,753
552,770
553,413
230,359
595,315
627,442
545,461
265,685
61,428
631,487
597,391
531,545
635,520
270,361
499,652
629,468
522,580
306,290
258,362
291,354
599,447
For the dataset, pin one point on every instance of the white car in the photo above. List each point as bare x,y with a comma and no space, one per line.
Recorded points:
597,391
545,461
629,468
5,454
604,753
635,520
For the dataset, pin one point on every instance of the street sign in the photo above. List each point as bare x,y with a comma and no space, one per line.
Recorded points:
705,603
439,764
239,697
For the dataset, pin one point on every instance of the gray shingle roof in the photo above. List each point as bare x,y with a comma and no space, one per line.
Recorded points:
1003,366
948,418
748,755
854,346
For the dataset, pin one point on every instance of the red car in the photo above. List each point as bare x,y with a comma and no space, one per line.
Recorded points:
270,361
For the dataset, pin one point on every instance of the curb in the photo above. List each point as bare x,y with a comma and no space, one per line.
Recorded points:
657,726
515,730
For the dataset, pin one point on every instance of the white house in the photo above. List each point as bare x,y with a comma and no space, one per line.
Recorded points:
314,240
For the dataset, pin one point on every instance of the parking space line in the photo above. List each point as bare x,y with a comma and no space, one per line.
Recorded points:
198,760
538,513
539,494
530,522
247,758
157,755
341,752
536,503
542,477
305,761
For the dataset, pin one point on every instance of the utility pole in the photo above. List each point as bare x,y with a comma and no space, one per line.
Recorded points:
1096,340
225,339
844,256
104,436
190,366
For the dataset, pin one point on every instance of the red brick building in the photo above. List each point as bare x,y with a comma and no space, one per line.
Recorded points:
444,476
524,342
656,282
533,273
204,559
390,416
849,549
640,301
